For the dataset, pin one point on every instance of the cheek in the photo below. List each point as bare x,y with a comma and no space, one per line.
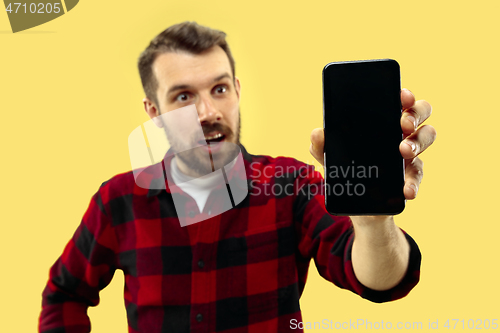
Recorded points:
229,108
235,115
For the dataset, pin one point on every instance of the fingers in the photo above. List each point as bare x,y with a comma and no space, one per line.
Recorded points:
407,98
413,177
317,145
414,116
417,142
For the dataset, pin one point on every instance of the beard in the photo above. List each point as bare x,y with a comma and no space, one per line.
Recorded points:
198,160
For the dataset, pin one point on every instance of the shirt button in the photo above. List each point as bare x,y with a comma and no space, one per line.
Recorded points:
201,264
191,213
199,317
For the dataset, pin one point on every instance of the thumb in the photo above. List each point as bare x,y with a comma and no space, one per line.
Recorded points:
317,144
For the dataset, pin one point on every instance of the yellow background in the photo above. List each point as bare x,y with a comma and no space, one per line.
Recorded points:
70,95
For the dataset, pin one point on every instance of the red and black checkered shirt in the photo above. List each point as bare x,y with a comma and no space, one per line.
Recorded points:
241,271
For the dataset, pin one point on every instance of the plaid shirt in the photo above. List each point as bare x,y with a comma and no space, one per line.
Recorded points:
241,271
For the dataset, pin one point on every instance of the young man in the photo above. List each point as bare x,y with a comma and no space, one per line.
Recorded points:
245,269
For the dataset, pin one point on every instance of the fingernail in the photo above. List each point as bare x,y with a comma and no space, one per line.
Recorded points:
414,188
408,90
413,121
412,145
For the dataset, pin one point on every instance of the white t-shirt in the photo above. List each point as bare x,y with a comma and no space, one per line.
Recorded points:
198,188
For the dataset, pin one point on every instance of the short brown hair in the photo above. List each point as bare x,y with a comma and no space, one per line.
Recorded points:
186,36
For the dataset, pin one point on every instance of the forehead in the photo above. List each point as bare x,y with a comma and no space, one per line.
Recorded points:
174,68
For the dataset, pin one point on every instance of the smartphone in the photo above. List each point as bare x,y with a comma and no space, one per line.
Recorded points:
364,169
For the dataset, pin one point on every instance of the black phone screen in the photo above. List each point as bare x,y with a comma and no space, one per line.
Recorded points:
364,169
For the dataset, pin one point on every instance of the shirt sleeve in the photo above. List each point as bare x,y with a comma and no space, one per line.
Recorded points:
86,266
328,240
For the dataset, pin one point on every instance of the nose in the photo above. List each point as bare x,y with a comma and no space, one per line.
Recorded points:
207,112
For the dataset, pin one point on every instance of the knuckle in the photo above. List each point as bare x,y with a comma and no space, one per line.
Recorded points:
412,112
428,107
420,173
432,132
424,109
419,167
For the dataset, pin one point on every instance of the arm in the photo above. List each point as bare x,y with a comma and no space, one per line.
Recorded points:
329,240
86,266
381,252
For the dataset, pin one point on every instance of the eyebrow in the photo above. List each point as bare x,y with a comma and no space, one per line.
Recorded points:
186,86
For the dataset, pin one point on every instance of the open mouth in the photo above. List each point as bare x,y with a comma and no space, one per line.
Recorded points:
212,138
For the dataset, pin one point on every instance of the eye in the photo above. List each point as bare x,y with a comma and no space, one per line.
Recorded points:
182,97
220,89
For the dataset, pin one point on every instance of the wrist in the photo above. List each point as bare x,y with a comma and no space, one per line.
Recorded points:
372,222
376,230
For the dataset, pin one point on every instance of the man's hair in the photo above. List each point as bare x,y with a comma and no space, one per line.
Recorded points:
186,36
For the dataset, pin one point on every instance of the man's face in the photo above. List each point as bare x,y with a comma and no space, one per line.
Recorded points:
204,80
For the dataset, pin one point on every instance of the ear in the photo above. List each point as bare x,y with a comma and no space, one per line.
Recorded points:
237,86
152,110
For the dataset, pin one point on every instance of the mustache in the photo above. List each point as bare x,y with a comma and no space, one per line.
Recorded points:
217,127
